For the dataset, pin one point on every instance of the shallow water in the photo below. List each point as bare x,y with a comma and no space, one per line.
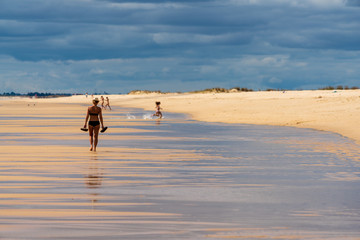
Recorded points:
177,179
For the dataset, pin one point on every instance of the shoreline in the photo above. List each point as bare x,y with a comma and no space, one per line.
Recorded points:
325,110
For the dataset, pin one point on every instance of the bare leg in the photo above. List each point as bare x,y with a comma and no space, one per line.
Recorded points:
91,134
96,136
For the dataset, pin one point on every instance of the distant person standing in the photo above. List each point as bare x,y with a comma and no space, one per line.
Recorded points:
95,117
107,103
158,108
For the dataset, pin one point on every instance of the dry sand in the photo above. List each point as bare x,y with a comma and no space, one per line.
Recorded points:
334,111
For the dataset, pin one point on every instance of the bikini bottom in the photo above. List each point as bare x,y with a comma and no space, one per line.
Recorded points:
94,123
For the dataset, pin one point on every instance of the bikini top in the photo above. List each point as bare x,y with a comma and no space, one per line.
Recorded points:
93,114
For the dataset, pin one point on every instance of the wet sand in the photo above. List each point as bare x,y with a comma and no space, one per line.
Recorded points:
171,179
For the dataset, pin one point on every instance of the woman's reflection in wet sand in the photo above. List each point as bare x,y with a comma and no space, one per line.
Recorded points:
93,179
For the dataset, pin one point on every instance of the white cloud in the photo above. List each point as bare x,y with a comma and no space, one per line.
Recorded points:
322,3
265,61
144,6
167,38
97,71
275,80
165,70
208,69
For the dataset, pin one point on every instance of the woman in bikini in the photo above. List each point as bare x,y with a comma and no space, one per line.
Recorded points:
94,115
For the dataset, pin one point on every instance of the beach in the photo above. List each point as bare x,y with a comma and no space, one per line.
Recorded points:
325,110
241,171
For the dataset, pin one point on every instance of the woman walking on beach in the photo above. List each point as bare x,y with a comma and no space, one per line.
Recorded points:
94,115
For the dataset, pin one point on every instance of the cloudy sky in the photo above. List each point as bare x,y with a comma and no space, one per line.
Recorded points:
117,46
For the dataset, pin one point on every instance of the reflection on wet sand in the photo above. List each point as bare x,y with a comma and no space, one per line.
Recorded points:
94,178
176,179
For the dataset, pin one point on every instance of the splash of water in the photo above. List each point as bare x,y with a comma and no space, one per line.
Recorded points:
129,116
147,116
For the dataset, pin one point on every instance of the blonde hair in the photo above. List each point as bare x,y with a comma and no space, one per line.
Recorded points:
95,100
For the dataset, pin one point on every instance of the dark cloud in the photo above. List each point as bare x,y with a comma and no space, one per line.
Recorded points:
260,44
157,1
61,33
353,3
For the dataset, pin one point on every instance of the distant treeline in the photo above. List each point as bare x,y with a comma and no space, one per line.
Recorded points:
223,90
36,94
135,92
238,89
340,87
208,90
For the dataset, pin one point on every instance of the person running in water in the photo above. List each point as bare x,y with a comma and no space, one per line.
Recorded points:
158,108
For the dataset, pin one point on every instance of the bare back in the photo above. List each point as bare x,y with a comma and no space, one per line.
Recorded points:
94,112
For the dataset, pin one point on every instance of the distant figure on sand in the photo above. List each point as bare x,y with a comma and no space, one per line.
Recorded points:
94,115
158,108
107,103
102,102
